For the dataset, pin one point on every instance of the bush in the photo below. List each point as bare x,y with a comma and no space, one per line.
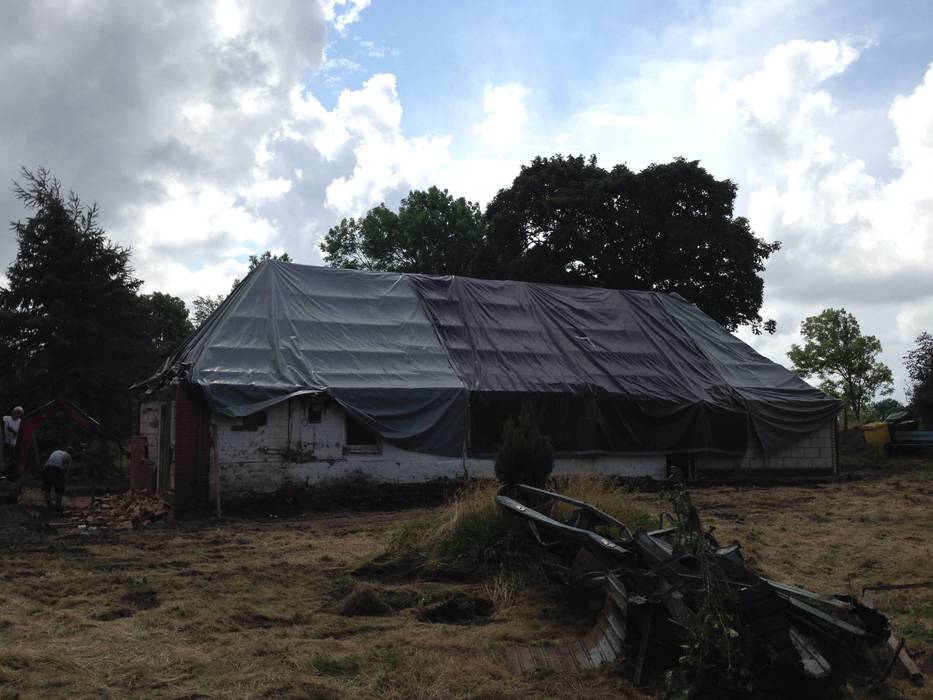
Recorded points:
525,455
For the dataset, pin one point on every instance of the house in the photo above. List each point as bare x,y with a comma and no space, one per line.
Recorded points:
307,374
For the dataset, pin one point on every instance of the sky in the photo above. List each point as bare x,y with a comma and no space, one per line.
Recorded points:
212,129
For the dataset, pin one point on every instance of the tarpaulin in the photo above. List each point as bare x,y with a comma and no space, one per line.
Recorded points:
404,354
516,337
362,337
781,406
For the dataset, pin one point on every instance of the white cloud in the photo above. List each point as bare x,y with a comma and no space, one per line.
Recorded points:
850,238
506,115
166,127
366,124
343,13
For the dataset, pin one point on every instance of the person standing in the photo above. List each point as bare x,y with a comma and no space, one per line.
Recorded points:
11,425
55,475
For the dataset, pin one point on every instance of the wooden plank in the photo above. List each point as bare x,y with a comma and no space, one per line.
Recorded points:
511,660
814,663
643,646
579,654
902,655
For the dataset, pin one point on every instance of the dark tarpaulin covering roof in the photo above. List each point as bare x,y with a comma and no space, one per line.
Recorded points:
362,337
781,406
402,353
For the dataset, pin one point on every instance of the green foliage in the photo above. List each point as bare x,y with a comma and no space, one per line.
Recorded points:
886,407
480,540
525,455
668,228
919,364
843,359
166,325
204,306
715,661
432,233
71,324
472,537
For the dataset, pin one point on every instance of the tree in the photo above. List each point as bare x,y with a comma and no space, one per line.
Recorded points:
567,220
843,359
432,233
69,321
919,364
886,408
166,325
204,306
668,228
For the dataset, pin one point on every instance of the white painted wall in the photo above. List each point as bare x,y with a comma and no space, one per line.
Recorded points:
290,450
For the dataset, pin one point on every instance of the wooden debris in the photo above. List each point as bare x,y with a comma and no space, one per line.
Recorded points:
604,643
900,651
652,579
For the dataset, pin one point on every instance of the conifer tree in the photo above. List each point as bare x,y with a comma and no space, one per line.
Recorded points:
70,321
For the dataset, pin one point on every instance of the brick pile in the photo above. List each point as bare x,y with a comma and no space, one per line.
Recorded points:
123,511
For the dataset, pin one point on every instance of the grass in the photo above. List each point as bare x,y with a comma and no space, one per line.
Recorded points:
252,607
470,534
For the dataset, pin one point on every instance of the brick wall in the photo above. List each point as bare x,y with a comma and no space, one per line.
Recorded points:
814,452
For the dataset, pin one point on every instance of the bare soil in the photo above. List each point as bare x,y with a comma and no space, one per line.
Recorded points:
269,607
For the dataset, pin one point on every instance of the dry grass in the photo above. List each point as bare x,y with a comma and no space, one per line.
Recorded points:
252,608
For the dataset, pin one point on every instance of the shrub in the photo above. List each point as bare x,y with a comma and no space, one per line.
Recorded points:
525,455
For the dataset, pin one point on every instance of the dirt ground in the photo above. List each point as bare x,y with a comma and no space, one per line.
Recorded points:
252,607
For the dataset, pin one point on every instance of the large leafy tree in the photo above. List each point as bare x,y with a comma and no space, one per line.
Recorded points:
919,364
550,225
204,306
668,228
845,361
887,407
567,220
69,317
165,323
432,233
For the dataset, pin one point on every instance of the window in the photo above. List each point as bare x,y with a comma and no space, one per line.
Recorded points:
251,422
361,440
315,410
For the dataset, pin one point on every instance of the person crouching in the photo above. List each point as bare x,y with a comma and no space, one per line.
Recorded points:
55,476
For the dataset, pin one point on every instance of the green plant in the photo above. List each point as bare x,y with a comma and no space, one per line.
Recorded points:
525,455
714,662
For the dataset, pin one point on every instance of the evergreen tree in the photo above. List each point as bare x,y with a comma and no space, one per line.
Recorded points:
70,321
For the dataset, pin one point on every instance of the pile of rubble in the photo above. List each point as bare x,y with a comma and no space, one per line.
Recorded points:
657,584
123,511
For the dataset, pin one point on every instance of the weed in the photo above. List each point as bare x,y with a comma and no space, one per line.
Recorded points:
502,587
715,660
